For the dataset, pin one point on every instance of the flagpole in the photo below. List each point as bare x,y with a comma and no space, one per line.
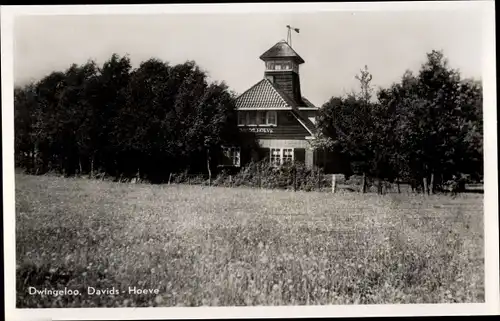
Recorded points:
289,34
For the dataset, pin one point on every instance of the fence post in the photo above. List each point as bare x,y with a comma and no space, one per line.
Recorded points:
333,183
230,180
318,179
294,179
169,178
259,175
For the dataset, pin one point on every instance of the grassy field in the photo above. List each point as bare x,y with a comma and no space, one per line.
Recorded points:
221,246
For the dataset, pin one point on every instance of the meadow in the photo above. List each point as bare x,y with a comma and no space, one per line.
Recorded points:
219,246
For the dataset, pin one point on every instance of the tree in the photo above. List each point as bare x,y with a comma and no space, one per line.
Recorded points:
438,124
347,127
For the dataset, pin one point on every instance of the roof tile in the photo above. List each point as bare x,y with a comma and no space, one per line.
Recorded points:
262,95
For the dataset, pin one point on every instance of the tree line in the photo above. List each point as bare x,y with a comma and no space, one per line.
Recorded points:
427,129
159,119
123,122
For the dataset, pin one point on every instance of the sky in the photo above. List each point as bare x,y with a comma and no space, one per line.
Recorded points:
334,45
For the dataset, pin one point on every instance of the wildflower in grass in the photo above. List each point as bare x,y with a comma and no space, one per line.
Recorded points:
159,299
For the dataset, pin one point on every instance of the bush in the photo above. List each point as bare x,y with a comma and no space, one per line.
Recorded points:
262,174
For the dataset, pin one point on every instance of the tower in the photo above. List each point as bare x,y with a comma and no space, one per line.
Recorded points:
282,69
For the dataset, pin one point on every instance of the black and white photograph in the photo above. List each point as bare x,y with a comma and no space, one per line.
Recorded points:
287,157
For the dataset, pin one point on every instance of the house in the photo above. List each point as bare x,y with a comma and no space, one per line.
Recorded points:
274,110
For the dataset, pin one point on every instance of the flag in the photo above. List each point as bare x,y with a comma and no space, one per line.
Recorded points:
296,30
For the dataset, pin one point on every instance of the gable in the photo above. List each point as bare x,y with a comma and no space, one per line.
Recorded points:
263,95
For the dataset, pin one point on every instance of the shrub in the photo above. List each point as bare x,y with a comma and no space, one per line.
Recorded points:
287,176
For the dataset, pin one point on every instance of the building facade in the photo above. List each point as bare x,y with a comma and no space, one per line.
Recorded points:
274,110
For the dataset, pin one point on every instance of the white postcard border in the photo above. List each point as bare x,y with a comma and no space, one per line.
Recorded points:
491,305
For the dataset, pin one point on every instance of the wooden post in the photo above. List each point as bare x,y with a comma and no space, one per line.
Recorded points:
318,180
169,178
432,184
333,183
259,175
379,186
399,188
230,180
363,183
425,187
208,168
294,179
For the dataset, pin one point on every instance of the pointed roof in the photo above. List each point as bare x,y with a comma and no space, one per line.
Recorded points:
281,50
263,95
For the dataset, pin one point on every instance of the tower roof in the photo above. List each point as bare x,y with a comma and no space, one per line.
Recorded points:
281,50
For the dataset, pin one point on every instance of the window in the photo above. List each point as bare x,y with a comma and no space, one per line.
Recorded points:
281,156
287,155
271,118
275,156
278,67
242,118
261,118
252,118
231,156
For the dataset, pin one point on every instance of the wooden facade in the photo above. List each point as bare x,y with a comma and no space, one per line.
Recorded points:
276,113
287,127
